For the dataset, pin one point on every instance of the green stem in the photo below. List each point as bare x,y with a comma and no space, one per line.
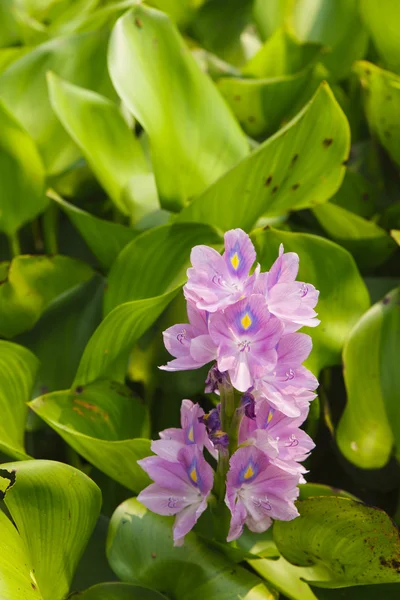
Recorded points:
50,218
15,246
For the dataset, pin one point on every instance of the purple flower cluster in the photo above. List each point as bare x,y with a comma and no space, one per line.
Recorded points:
248,323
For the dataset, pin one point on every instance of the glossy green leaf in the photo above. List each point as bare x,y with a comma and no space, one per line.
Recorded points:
105,239
372,378
285,577
140,550
109,146
382,105
324,264
30,284
219,25
120,591
18,368
340,542
155,262
261,105
282,54
163,86
23,89
104,423
54,525
180,11
336,24
356,194
308,490
382,21
107,353
270,15
368,243
17,580
60,336
298,167
21,174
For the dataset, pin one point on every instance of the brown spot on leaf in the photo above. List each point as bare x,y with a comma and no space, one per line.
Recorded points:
268,181
237,98
295,186
275,189
295,157
251,119
153,555
386,300
327,142
138,22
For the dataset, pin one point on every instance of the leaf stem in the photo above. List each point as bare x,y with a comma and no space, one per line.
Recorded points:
15,246
50,218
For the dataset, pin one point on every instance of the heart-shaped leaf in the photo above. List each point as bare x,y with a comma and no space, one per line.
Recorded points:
324,264
18,367
30,284
21,174
372,378
102,422
161,84
112,151
105,238
140,551
298,167
341,543
54,526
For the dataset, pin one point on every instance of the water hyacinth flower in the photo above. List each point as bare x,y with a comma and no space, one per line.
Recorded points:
257,491
245,323
180,488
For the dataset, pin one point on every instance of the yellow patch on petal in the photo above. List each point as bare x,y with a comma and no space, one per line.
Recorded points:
246,321
191,434
249,472
193,475
235,261
270,415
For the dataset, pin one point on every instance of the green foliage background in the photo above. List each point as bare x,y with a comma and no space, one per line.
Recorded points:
131,132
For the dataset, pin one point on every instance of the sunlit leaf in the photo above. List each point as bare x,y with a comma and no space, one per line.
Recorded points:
300,166
340,542
140,551
323,264
111,149
18,367
370,358
381,19
30,284
21,174
54,525
163,87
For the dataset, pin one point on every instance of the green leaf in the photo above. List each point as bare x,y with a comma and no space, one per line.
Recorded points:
16,572
324,264
285,577
59,337
140,551
261,105
120,591
368,243
371,374
381,20
104,423
341,542
308,490
161,84
105,239
395,233
382,105
18,367
80,59
21,174
30,284
54,525
300,166
336,24
114,154
388,591
282,54
107,353
356,194
270,15
155,262
180,11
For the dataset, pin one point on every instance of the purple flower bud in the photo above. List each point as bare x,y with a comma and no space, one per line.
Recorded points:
220,439
249,405
214,379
